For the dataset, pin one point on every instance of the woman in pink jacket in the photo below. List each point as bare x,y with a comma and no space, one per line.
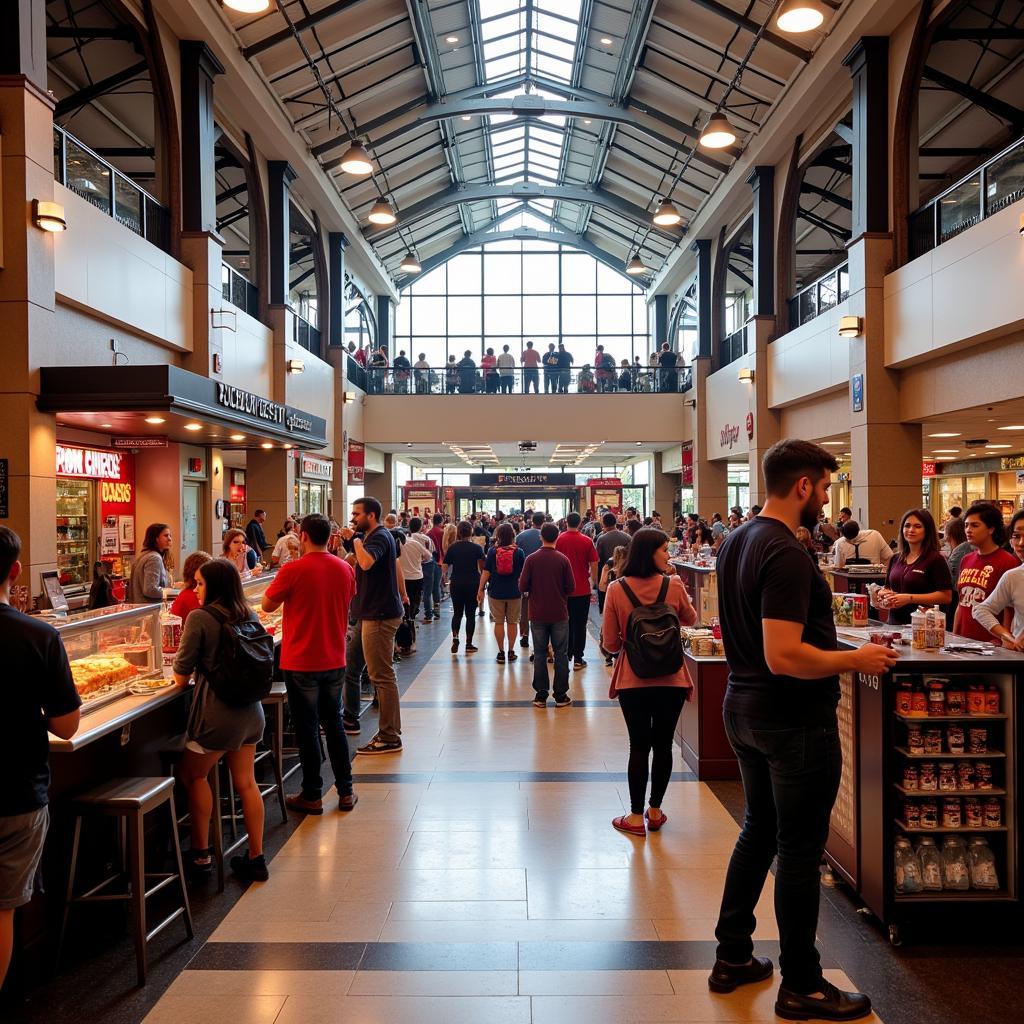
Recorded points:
651,706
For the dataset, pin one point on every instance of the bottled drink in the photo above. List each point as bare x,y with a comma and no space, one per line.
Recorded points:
955,873
931,864
982,863
908,868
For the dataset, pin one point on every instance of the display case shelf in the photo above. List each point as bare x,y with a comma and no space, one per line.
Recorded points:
903,826
931,794
955,896
945,755
937,719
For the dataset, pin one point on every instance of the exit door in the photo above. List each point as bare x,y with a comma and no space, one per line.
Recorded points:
191,518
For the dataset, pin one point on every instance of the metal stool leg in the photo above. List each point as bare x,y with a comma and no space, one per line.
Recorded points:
137,869
277,758
70,891
189,929
217,826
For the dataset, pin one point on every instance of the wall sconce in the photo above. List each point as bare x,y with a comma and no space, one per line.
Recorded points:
48,216
1022,225
746,375
850,327
348,397
295,366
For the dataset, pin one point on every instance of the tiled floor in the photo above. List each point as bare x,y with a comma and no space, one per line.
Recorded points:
479,879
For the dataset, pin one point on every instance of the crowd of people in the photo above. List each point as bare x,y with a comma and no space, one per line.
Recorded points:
496,372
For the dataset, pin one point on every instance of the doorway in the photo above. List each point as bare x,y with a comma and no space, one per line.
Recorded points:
191,518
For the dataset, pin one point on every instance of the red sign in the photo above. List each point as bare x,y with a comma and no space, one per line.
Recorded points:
115,474
236,494
90,463
356,462
750,426
604,481
929,467
687,464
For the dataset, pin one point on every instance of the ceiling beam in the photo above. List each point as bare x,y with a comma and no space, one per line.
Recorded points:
125,32
231,193
832,197
91,92
982,33
821,222
753,27
518,190
998,108
529,107
310,21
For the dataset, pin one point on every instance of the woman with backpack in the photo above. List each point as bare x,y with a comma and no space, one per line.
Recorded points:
215,727
500,579
643,611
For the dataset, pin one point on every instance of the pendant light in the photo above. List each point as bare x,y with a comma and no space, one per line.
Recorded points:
409,264
381,212
799,16
666,215
718,133
356,160
247,6
636,266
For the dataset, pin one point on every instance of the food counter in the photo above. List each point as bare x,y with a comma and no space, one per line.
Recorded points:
701,733
949,777
701,582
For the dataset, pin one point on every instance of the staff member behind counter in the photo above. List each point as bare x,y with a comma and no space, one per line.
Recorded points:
150,575
918,574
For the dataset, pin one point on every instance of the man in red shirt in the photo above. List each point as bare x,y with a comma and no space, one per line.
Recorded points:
582,555
316,591
530,360
982,568
436,533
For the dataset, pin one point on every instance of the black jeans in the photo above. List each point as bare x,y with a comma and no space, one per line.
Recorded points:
530,376
464,601
314,699
790,781
414,588
651,714
579,613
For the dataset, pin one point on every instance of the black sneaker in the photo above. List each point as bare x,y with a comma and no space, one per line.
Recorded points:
471,648
250,869
501,658
726,977
540,703
524,642
379,746
577,665
350,725
512,656
564,702
455,645
836,1004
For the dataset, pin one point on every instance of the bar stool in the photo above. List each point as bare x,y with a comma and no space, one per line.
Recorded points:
274,704
129,800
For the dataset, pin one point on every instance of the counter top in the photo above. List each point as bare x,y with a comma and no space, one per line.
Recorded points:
113,717
850,575
705,659
680,564
916,661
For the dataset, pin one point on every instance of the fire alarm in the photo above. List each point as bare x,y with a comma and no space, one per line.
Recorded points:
195,465
750,426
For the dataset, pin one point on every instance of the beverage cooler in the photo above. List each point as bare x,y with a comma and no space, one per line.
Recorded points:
77,517
926,825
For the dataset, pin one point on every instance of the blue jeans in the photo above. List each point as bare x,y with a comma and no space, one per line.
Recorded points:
314,699
430,569
790,781
437,586
557,634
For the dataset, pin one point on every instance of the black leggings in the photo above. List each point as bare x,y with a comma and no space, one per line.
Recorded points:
651,714
464,601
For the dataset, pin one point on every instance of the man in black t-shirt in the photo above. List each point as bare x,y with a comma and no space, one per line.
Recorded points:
780,715
377,610
564,369
38,696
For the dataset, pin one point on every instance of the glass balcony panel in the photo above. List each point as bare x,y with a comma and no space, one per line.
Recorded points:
1004,179
87,176
959,209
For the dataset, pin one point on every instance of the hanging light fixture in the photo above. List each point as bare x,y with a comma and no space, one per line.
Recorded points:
381,212
636,266
799,16
666,215
718,133
356,160
409,264
247,6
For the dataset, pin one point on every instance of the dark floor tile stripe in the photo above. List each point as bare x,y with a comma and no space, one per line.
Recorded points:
279,956
440,956
397,778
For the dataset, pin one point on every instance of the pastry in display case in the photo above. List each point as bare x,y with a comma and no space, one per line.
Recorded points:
113,651
254,589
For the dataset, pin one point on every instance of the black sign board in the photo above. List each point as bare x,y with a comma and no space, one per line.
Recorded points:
5,503
523,479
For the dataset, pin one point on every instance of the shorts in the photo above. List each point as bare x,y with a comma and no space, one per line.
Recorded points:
505,610
21,851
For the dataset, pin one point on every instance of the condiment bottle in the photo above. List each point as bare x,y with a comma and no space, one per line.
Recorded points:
992,699
904,697
936,698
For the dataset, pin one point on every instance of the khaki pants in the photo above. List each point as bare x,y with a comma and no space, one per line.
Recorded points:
372,641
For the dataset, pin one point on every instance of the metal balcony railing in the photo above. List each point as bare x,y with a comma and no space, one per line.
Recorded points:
986,190
819,296
306,335
88,175
239,290
733,346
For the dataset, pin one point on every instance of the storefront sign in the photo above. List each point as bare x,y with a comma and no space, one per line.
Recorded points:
1012,462
139,442
929,468
750,426
687,464
236,494
5,501
250,404
604,481
316,469
521,479
729,436
356,462
857,392
88,463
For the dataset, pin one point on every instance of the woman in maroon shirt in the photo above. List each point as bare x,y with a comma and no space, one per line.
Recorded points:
918,574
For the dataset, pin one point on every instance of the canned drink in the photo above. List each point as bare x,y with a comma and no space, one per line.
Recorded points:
977,741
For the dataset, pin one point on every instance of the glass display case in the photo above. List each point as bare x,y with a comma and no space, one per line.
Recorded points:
254,589
112,651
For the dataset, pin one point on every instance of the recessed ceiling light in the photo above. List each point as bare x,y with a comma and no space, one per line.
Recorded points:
238,437
467,117
106,426
587,120
266,444
998,446
834,444
155,419
247,6
606,40
451,39
193,426
943,435
1013,426
945,451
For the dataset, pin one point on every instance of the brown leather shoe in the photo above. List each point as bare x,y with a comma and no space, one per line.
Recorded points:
346,803
301,805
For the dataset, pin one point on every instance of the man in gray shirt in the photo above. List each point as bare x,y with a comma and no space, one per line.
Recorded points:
611,538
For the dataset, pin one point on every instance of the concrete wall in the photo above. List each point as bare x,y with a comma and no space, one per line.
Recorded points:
808,360
727,402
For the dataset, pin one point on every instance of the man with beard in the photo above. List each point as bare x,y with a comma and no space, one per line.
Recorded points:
780,716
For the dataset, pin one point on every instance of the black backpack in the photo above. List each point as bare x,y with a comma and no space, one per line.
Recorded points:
653,643
242,671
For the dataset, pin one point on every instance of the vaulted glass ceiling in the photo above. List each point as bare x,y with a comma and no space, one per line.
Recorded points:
541,38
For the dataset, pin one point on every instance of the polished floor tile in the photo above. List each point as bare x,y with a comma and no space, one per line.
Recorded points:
318,1009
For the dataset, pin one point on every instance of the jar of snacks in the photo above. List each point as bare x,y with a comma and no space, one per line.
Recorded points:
972,812
955,739
936,697
954,864
929,814
911,780
956,700
933,741
975,699
982,863
951,813
977,740
931,863
912,814
947,776
929,781
915,739
992,813
964,775
992,699
904,697
983,774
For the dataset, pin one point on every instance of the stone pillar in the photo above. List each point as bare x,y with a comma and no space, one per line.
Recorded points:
202,253
199,67
868,62
657,318
705,319
765,421
762,181
281,176
27,301
664,490
385,323
382,485
270,484
886,453
710,478
337,243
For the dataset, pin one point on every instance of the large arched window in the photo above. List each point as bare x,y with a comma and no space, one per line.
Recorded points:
510,292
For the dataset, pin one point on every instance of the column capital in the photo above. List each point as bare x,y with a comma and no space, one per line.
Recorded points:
281,170
762,174
867,48
197,53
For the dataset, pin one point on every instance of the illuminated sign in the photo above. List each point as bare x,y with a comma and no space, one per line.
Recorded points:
88,463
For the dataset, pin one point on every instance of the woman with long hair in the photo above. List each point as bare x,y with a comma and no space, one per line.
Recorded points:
461,567
500,578
981,568
650,706
188,600
216,729
610,572
448,538
918,574
235,548
151,574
